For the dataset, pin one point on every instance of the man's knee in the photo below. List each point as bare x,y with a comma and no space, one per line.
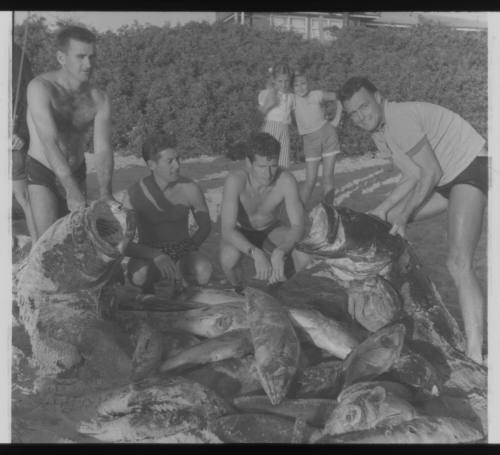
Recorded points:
228,255
196,269
458,265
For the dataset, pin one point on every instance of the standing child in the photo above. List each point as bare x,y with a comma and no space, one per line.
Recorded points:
275,102
319,136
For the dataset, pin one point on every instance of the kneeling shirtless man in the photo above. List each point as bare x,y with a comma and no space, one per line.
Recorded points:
249,216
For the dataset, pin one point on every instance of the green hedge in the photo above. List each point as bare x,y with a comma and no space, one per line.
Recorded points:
201,80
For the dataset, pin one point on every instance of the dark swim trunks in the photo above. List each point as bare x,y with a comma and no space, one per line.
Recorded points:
475,174
260,238
19,164
176,250
39,174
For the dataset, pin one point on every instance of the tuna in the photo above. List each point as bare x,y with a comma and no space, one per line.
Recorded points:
232,344
326,333
374,303
277,349
314,411
259,428
356,245
375,355
212,296
144,426
344,254
60,281
208,321
426,430
158,394
369,407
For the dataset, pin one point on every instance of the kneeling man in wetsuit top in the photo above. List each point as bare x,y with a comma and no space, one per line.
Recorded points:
249,215
162,202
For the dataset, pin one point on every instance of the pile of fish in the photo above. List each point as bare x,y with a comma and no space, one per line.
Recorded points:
356,348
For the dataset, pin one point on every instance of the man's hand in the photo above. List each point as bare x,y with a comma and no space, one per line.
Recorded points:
263,268
399,222
75,199
166,266
17,142
278,264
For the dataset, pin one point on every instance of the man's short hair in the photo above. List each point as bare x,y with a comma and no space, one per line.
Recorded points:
353,85
73,32
156,143
262,144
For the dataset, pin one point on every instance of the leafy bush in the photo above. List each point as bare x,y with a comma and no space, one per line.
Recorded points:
201,80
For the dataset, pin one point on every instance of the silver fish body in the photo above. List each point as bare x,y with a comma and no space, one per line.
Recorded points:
326,333
277,349
229,345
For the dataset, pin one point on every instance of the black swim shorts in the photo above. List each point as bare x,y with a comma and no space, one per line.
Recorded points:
259,238
39,174
19,164
475,174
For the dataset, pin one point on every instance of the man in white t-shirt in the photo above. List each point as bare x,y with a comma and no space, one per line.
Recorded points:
444,165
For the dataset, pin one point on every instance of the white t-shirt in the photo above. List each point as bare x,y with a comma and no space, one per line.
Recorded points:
309,113
281,112
454,141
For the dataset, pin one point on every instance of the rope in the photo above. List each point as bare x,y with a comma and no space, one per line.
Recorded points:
23,51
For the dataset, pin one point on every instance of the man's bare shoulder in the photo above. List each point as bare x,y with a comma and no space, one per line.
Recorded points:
286,179
43,83
237,177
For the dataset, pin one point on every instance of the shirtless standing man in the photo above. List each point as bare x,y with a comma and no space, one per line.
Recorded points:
444,166
62,107
249,215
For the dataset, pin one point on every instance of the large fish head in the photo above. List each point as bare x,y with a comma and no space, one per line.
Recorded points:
326,236
112,226
375,355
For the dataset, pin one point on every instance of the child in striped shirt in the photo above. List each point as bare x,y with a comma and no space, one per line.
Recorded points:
275,102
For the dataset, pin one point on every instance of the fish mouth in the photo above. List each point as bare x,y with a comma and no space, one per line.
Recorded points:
112,226
325,237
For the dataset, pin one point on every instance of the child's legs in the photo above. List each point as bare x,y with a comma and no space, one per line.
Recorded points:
312,165
330,148
280,132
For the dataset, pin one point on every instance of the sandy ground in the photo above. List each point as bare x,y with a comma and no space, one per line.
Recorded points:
360,184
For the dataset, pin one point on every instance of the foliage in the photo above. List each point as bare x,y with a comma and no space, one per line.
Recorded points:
201,80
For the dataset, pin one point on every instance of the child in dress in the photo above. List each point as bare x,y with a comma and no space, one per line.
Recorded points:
275,102
319,136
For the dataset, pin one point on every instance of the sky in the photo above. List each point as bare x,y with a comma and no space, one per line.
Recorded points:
112,20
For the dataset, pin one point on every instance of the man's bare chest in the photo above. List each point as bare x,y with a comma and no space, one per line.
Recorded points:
73,112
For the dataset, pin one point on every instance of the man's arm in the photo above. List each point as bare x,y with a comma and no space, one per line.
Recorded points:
163,262
428,172
40,111
229,215
201,215
102,146
295,212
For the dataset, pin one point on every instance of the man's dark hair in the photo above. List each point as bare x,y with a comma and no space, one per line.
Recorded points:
262,144
156,143
353,85
76,33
